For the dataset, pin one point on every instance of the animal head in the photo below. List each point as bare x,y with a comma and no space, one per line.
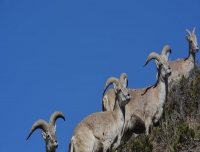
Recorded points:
49,136
192,40
121,92
48,130
108,105
164,55
164,70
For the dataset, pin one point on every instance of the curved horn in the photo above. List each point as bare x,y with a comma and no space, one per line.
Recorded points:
122,79
166,49
151,56
188,31
55,116
193,30
38,124
109,82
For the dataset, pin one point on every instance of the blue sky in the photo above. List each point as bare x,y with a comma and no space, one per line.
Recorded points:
57,55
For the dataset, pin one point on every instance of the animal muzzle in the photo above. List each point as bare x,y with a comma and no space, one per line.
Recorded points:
128,96
196,49
56,144
169,72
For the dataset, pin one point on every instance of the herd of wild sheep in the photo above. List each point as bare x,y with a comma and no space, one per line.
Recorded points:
125,111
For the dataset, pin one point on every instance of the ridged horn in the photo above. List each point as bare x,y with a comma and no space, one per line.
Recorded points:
40,124
193,30
110,81
188,31
122,78
166,49
151,56
55,116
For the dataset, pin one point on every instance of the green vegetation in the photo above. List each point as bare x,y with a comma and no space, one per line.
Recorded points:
179,127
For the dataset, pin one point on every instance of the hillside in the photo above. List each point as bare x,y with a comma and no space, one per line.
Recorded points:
179,127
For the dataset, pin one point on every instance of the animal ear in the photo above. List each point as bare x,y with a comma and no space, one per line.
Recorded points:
44,135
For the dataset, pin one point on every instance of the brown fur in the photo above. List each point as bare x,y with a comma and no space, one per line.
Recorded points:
101,131
146,105
183,67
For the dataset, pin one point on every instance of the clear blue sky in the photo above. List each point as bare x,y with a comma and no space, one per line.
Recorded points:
57,55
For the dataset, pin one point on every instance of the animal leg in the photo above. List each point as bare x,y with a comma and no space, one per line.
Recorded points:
106,149
148,124
116,145
107,145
